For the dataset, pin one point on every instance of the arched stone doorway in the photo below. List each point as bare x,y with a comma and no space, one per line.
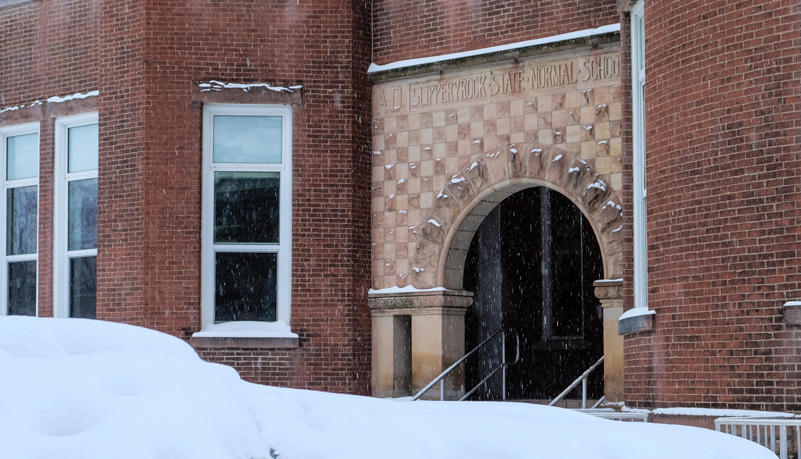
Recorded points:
531,267
419,332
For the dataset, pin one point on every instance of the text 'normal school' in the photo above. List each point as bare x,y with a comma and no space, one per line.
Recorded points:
495,83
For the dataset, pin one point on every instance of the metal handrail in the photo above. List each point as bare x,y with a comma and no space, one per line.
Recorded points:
580,380
503,366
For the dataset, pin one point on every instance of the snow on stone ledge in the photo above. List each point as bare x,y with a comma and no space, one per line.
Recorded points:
215,85
721,413
637,312
375,68
608,281
75,96
406,289
53,100
635,320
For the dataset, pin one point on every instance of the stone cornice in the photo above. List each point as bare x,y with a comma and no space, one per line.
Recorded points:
492,58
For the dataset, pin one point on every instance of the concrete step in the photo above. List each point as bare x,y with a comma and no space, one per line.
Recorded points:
564,403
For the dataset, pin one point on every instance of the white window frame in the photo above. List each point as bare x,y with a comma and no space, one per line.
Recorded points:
279,328
61,256
640,190
5,133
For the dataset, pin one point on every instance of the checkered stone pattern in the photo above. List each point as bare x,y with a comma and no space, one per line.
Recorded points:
415,152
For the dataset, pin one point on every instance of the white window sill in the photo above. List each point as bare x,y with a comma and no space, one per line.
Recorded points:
246,335
246,330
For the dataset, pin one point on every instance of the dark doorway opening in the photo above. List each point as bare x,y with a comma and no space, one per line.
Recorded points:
531,266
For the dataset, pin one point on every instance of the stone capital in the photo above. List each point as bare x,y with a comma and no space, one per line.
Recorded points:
421,302
608,289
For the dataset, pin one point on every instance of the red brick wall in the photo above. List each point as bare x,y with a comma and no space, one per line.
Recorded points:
121,174
320,46
724,188
146,59
421,28
47,49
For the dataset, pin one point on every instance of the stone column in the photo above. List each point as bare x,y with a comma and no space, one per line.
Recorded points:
417,335
610,292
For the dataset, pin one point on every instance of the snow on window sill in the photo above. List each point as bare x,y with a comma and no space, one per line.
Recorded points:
246,334
636,320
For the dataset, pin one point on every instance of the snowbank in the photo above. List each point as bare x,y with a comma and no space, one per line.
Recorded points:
85,389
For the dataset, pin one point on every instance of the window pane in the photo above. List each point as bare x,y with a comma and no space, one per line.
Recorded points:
245,287
246,207
82,148
22,288
21,220
247,139
23,157
83,287
82,218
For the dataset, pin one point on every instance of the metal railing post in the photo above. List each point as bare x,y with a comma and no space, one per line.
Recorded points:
584,394
441,378
580,380
503,359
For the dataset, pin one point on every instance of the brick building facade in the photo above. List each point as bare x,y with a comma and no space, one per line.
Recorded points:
148,69
722,111
405,179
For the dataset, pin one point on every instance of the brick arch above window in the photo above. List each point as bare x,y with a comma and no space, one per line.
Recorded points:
480,185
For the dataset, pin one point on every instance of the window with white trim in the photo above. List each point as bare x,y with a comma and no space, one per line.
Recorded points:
19,146
75,232
247,216
639,158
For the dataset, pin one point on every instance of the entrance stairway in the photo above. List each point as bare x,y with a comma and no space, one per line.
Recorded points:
502,367
583,404
501,335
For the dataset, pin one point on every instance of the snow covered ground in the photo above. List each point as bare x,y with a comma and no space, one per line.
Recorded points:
80,389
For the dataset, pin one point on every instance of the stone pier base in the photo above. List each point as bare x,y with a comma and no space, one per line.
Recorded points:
417,335
610,292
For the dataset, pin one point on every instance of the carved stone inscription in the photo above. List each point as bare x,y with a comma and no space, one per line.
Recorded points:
497,83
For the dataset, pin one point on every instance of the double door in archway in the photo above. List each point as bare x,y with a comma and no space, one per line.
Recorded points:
531,266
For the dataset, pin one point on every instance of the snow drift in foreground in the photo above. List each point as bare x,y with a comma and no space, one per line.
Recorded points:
85,389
